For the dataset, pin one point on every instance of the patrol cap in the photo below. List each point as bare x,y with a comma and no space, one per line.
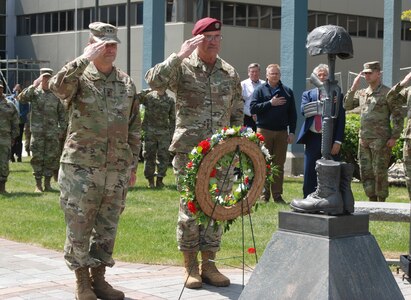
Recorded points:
104,32
46,72
206,24
371,66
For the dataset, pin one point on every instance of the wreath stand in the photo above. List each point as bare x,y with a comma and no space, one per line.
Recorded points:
238,145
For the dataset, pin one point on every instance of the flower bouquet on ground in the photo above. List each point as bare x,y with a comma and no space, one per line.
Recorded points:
226,174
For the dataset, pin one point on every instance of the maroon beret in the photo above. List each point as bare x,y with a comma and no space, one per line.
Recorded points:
206,24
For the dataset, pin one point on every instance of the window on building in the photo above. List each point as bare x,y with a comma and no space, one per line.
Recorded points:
352,25
406,26
240,15
332,19
40,23
228,13
55,22
372,27
276,15
112,15
170,10
33,24
380,30
342,21
103,17
140,13
215,10
362,26
63,21
88,17
70,20
311,21
121,15
253,15
47,22
321,19
265,21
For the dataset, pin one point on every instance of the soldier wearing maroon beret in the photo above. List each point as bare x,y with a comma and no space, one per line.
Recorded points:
208,98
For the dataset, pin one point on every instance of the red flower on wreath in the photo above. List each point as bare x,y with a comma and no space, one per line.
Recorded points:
213,172
268,167
251,250
260,136
246,180
189,165
205,145
191,207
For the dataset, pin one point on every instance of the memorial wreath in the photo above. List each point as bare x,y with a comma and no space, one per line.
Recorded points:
225,175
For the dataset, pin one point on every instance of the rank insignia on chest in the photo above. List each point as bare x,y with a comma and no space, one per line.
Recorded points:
214,89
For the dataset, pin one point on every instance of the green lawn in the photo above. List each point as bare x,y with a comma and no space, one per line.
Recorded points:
147,228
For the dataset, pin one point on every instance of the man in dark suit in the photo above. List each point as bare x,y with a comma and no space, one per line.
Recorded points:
310,133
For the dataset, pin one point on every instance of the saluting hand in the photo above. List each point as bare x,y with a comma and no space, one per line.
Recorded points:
93,50
38,80
356,83
406,79
190,45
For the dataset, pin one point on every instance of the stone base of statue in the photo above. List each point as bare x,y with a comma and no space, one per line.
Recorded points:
314,256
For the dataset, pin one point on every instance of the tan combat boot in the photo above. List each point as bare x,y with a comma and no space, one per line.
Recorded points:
159,182
83,289
151,182
101,287
209,272
47,184
39,187
192,276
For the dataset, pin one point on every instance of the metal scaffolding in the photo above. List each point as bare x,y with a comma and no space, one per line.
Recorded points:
22,71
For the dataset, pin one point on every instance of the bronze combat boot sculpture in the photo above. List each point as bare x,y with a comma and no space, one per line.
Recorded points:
333,195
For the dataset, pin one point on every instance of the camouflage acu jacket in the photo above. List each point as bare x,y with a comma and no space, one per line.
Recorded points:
104,121
159,113
9,122
47,114
378,109
405,97
205,100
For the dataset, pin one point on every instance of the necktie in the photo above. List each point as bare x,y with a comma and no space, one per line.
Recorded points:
317,123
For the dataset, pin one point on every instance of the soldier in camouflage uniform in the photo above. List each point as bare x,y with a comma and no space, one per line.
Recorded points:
47,125
208,97
100,154
379,106
9,130
158,126
405,97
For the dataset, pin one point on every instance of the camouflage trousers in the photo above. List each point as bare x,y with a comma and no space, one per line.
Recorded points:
92,200
45,155
407,164
5,151
374,157
155,153
190,235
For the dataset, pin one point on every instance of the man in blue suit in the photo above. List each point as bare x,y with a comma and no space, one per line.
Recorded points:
310,133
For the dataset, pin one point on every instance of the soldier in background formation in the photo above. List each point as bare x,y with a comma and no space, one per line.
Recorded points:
380,107
23,109
47,125
405,97
101,152
9,130
208,97
158,125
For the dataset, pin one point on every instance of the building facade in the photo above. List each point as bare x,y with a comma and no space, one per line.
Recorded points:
53,32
